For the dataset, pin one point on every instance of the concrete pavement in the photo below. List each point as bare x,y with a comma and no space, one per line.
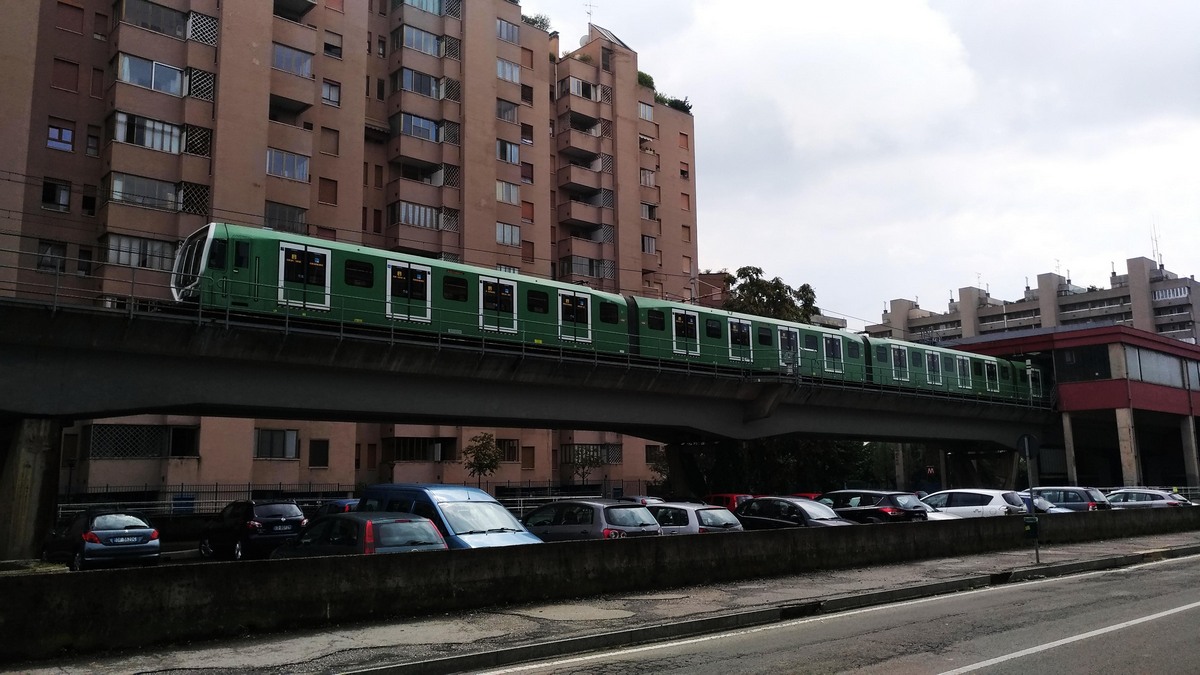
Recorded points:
471,641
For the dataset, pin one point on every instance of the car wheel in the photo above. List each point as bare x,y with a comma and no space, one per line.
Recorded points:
206,549
76,564
239,552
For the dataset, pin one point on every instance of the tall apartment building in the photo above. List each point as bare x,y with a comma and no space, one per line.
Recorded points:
446,128
1147,297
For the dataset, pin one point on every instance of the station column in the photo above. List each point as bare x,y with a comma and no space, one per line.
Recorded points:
1069,449
28,483
1187,430
1131,469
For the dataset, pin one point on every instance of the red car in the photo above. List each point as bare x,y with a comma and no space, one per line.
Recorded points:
727,499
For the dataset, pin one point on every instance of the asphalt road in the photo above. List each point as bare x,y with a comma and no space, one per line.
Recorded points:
1139,619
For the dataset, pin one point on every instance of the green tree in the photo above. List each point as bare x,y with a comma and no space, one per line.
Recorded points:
537,21
751,293
584,460
482,456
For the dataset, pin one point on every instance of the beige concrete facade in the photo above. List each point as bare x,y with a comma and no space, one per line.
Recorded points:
1147,297
446,128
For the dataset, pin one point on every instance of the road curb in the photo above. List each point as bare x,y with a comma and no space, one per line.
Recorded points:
641,635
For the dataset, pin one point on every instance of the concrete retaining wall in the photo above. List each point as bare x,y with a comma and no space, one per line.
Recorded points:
45,615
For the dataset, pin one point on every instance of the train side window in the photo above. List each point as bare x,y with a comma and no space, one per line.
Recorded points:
739,333
712,328
537,302
454,288
293,265
360,274
1004,371
498,297
418,287
853,350
977,368
810,342
609,312
764,336
241,254
881,354
217,254
948,363
656,320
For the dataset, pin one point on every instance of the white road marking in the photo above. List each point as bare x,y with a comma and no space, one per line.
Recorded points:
829,617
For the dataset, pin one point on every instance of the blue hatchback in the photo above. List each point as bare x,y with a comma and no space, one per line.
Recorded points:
467,517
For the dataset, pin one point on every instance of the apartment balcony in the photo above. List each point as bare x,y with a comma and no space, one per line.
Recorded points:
580,214
293,10
134,159
648,160
288,191
647,128
292,92
650,194
578,179
579,106
425,239
416,192
651,262
578,143
297,140
295,35
417,148
583,248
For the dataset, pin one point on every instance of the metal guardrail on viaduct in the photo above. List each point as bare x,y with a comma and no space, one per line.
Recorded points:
72,362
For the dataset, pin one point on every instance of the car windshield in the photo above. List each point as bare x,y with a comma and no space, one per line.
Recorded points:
118,521
629,516
716,517
277,511
1012,498
907,501
411,533
1095,495
815,510
1178,497
474,517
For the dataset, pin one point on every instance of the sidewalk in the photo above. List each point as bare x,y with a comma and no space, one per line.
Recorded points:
505,635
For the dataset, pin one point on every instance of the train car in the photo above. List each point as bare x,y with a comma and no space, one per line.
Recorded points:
906,365
256,271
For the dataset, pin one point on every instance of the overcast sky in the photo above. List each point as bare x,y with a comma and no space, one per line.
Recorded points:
906,149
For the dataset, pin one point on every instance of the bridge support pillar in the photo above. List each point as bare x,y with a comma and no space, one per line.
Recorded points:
1191,467
1069,449
1131,470
29,459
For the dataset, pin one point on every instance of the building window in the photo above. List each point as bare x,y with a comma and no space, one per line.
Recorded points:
88,205
97,90
291,60
85,261
285,218
56,195
646,111
417,215
508,71
139,252
143,131
508,449
418,82
415,38
276,444
69,18
686,232
431,6
647,177
527,455
509,193
526,212
526,173
287,165
506,110
508,235
331,93
150,74
649,244
411,125
65,75
508,152
141,191
649,211
93,141
154,17
577,87
606,55
333,45
381,47
527,134
52,256
331,141
318,453
685,171
685,201
61,135
683,140
527,94
327,191
507,31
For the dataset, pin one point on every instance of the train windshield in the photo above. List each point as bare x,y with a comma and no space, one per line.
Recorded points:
189,263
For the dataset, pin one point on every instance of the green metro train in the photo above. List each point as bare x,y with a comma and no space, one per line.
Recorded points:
256,271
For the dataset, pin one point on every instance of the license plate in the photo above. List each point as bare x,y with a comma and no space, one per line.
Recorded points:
124,540
282,528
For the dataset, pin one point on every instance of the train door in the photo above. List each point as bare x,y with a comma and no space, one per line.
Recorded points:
497,305
303,275
899,363
684,338
408,291
1035,384
739,341
991,376
575,316
933,368
964,372
833,354
789,348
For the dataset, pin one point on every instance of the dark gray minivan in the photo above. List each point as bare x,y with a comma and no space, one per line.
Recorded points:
467,517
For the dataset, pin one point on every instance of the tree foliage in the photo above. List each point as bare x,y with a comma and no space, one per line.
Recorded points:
541,21
750,293
584,461
645,80
482,456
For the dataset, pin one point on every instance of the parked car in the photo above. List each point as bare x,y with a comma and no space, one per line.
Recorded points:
641,499
729,500
1041,504
336,506
250,528
364,533
875,506
1074,498
467,517
1146,498
772,513
689,518
976,502
591,519
101,537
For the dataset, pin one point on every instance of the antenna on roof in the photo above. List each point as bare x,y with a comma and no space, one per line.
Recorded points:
589,6
1154,240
